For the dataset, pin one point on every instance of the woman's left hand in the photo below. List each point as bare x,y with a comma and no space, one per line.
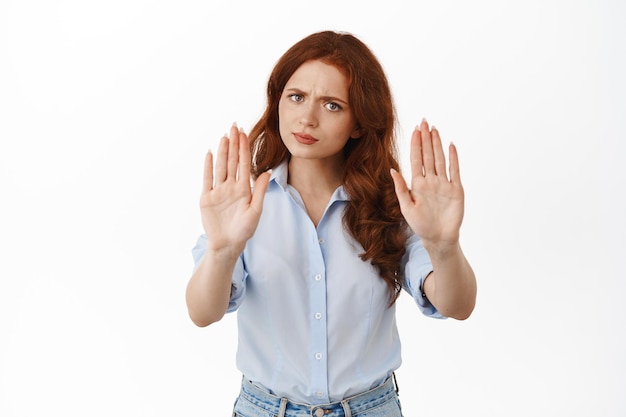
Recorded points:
434,205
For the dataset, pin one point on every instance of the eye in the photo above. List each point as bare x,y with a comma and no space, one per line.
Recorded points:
296,97
332,106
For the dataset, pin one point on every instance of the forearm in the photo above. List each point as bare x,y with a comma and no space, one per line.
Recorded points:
208,290
451,287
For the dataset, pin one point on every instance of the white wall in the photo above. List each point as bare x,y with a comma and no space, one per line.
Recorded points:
107,109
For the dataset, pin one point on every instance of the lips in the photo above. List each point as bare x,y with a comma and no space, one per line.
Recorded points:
304,138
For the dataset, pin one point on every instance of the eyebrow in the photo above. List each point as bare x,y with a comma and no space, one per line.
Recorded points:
325,98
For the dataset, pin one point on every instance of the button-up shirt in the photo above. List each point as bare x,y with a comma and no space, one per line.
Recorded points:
314,320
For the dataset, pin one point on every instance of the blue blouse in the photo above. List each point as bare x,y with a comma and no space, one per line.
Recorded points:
313,318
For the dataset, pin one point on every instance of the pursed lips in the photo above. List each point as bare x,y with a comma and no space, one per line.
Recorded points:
304,138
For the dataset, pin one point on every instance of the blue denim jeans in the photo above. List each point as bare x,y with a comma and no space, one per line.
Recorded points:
379,402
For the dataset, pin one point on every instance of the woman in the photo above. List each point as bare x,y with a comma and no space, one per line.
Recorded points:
315,257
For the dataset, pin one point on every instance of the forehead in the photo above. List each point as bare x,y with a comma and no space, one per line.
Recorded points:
319,77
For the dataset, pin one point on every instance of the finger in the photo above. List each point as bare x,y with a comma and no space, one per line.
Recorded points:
402,190
245,161
220,164
417,167
260,186
440,158
207,178
233,152
455,173
427,149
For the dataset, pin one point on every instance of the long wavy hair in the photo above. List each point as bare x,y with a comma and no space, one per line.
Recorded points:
372,215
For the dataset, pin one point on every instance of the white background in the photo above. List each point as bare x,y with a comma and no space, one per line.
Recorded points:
106,112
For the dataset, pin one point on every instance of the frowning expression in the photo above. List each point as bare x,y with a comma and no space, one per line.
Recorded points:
315,118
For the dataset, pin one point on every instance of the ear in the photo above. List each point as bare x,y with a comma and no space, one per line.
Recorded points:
356,133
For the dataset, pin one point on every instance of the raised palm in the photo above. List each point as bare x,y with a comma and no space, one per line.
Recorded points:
229,208
433,206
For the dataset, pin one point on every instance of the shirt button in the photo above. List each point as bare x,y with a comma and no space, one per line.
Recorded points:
319,394
318,277
318,315
321,241
318,356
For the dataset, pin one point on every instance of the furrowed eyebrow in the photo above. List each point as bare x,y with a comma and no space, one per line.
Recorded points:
294,90
331,98
324,98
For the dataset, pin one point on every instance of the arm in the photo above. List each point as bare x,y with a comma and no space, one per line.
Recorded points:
208,290
451,287
230,214
433,208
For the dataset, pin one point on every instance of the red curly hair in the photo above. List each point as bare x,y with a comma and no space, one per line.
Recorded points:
372,215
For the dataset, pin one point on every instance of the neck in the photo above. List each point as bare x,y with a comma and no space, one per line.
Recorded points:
314,176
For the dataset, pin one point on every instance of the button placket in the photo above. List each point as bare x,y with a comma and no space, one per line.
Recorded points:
318,326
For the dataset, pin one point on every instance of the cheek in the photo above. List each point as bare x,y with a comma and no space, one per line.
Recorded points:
282,122
283,113
346,127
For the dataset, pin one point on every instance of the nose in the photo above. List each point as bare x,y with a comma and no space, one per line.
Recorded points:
308,116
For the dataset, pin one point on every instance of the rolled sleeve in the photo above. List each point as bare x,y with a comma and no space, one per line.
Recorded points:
417,266
238,281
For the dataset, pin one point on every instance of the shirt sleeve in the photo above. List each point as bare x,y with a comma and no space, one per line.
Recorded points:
417,266
238,280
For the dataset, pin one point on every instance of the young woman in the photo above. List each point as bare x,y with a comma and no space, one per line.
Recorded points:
314,256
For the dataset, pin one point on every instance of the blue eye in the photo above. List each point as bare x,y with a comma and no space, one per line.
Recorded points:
296,97
332,106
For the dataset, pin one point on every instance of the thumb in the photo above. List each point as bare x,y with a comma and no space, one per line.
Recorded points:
260,186
402,190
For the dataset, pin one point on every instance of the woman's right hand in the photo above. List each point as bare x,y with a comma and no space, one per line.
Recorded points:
230,209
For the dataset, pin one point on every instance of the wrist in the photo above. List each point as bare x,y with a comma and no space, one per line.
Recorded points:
223,253
441,250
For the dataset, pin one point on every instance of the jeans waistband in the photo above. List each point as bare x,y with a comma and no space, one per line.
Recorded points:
283,407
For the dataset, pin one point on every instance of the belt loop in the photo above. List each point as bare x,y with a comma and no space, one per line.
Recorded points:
395,382
283,407
346,408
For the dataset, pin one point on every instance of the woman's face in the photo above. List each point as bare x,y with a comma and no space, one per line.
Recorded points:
315,119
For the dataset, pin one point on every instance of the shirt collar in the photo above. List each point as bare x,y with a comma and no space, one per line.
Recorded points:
279,175
281,172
